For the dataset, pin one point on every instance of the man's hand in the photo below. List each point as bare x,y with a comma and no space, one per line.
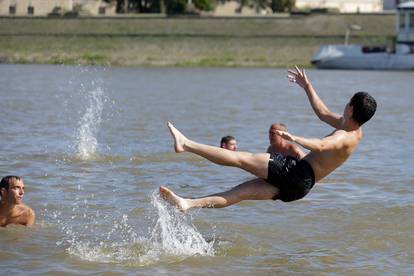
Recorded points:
285,135
321,110
298,76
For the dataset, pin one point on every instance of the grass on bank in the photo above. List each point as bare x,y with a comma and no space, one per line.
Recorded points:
167,51
311,25
204,41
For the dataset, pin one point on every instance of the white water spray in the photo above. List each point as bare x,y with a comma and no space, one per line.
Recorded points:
172,237
173,234
89,124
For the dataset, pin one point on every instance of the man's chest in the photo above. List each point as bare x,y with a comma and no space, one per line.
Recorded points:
19,219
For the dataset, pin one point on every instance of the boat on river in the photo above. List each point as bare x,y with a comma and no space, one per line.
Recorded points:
399,57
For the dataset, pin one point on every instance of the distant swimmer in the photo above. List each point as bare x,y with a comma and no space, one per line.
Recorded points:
12,210
280,145
228,142
283,177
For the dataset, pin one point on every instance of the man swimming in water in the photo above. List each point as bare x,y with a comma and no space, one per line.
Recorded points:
12,210
228,142
284,178
280,145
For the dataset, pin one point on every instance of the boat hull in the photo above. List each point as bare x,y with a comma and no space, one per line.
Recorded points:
352,57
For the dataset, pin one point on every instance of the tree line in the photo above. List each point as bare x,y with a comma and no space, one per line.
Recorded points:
195,6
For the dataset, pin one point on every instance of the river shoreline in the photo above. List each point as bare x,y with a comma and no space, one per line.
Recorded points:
183,42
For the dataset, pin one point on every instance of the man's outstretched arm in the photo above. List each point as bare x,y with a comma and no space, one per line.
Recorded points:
321,110
315,144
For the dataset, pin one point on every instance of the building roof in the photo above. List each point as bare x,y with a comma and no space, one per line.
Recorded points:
406,5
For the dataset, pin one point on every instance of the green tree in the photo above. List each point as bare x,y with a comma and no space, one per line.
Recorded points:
175,6
204,5
282,5
156,6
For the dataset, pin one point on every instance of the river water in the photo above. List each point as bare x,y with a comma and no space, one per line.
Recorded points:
92,147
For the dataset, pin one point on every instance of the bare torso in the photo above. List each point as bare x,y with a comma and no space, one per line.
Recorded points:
324,161
20,214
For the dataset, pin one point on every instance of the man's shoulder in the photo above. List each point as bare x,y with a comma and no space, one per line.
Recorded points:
29,211
296,151
25,210
348,139
293,146
29,216
341,133
357,134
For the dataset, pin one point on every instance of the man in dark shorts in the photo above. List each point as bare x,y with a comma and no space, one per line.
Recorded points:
281,153
279,177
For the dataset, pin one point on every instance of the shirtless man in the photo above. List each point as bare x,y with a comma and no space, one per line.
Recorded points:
280,145
12,210
284,178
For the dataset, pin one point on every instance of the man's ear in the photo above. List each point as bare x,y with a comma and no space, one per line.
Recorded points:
351,110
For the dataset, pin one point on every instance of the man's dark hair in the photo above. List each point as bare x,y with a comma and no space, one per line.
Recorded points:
7,180
364,106
226,139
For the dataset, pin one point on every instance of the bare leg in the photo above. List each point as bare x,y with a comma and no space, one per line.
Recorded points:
254,163
256,189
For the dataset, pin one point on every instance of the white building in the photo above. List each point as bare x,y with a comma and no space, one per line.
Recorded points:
405,24
343,6
44,7
230,8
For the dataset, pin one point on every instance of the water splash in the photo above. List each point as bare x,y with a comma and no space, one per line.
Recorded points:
174,234
89,124
92,236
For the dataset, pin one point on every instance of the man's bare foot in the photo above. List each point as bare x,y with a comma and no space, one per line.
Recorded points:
174,199
179,138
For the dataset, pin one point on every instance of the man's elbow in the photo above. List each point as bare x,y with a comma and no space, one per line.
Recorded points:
324,117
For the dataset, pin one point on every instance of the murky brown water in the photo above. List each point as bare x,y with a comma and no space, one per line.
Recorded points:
92,147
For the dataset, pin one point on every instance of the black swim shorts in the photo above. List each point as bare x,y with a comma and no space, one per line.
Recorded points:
294,178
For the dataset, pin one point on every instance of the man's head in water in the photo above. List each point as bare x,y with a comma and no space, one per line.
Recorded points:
11,190
228,142
12,209
275,139
361,107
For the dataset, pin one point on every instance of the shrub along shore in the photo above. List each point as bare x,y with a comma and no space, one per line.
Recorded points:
280,41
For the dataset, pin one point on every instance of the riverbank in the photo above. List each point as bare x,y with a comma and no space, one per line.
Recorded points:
152,41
